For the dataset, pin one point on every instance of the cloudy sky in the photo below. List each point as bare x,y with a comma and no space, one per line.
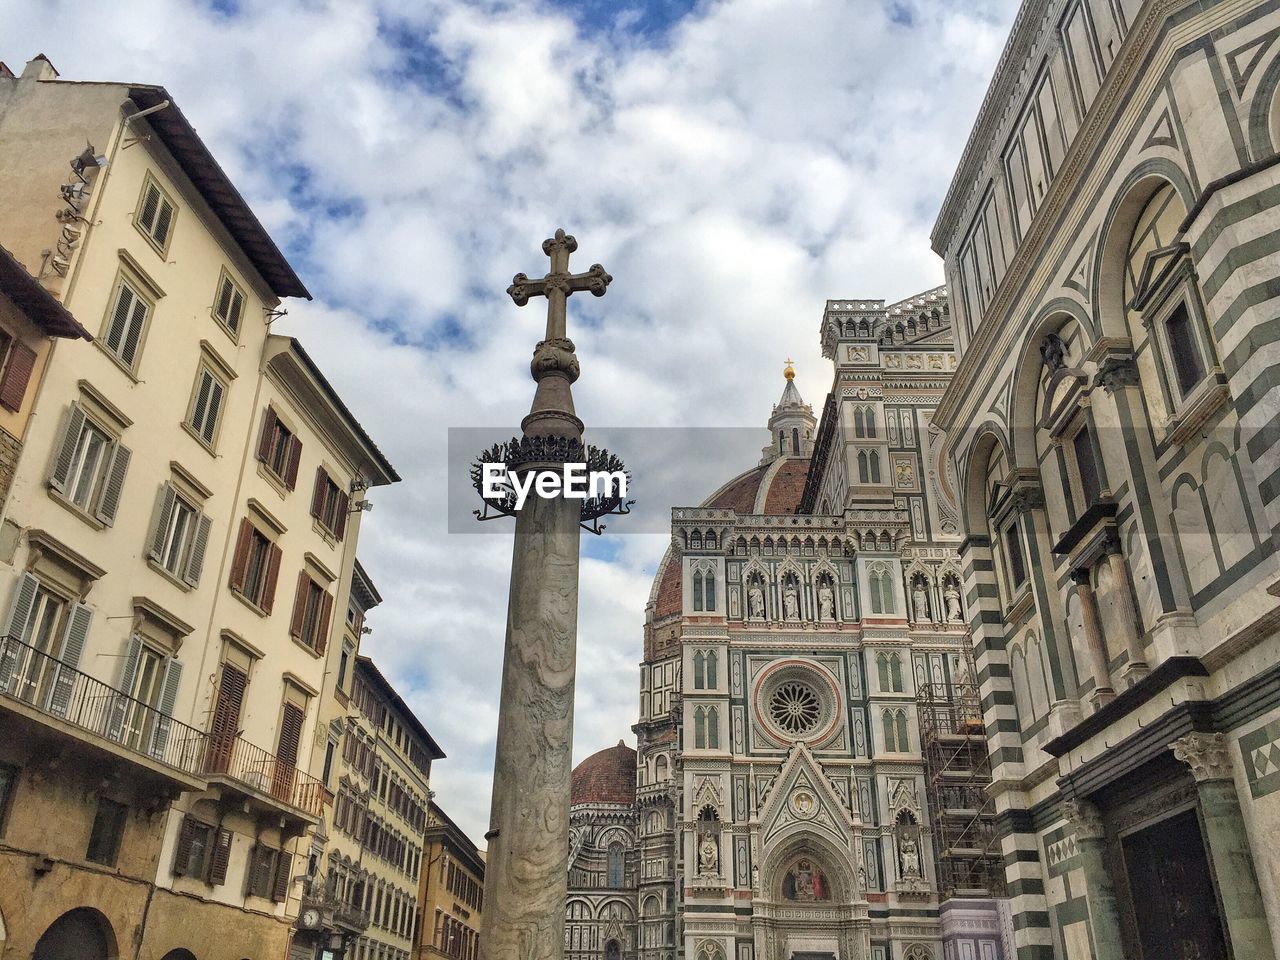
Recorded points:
733,164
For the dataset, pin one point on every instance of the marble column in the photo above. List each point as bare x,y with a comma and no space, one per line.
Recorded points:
1104,912
1208,756
1137,667
1095,646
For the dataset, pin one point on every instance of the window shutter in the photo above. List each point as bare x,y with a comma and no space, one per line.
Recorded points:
120,706
295,457
210,426
220,859
133,334
182,851
24,595
13,387
326,612
299,606
340,525
111,490
318,494
223,307
199,545
240,562
226,717
290,734
168,497
72,647
164,220
268,432
237,308
273,573
284,867
72,424
150,204
200,409
168,700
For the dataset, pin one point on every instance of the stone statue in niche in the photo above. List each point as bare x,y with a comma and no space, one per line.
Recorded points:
1053,352
826,602
919,602
755,603
805,883
951,596
790,602
910,853
708,854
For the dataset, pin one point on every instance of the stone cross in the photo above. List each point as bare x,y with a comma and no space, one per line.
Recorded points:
526,869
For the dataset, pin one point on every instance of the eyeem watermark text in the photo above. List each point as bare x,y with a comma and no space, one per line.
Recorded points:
573,482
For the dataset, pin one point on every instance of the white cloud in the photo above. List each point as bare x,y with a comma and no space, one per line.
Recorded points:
756,159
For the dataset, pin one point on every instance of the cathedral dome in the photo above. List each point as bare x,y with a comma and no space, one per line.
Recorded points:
607,776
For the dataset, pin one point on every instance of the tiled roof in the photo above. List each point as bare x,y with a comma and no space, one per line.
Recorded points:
608,776
739,494
669,599
786,487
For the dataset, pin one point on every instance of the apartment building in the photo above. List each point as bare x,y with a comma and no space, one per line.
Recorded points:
181,523
452,892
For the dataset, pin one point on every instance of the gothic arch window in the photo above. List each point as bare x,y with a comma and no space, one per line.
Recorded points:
700,728
795,440
890,732
874,461
697,590
889,668
864,473
711,540
617,865
881,589
859,425
886,543
710,949
699,671
695,539
900,721
782,441
711,669
660,767
713,727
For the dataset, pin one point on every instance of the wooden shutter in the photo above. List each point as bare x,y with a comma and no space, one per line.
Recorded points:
209,428
226,717
340,523
240,562
237,308
273,573
13,386
168,700
318,494
150,204
182,852
326,612
220,858
300,606
199,546
72,424
223,306
268,432
160,529
291,719
73,639
164,221
291,468
133,333
121,702
284,867
109,502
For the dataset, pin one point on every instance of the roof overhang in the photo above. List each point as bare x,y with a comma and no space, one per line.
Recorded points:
39,305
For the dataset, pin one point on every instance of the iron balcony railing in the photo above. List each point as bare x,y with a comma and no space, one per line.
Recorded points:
58,690
237,758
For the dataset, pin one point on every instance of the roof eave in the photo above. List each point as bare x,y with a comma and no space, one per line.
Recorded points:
37,303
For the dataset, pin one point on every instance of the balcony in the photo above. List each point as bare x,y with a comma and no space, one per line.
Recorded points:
48,699
335,912
267,782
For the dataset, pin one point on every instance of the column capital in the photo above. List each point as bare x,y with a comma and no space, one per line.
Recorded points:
1206,754
1083,577
1084,819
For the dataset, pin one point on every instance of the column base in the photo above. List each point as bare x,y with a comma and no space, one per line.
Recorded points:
1132,672
1100,697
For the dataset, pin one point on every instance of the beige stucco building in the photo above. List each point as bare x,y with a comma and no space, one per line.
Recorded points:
452,892
1111,252
181,524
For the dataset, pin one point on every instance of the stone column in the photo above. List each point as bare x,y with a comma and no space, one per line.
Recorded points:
1228,844
1096,648
1104,913
1137,667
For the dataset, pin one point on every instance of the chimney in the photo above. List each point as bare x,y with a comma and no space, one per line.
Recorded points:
39,69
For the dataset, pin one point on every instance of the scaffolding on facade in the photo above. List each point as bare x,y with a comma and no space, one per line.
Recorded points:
957,774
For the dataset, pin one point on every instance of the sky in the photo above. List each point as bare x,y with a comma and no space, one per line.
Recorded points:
733,165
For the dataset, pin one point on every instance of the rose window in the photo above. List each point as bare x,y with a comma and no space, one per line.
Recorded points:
794,707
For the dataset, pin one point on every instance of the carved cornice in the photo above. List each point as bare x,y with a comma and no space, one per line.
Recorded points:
1084,818
1206,754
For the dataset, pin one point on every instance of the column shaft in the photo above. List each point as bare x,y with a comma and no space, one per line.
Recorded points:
1137,666
1096,647
1238,888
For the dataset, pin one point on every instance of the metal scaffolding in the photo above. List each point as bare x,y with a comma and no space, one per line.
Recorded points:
957,773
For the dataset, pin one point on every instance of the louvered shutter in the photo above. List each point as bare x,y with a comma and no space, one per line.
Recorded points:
273,573
284,867
240,562
168,700
160,530
72,424
164,220
291,719
13,386
109,502
344,507
200,409
318,494
223,308
199,546
268,433
150,204
182,850
226,717
220,858
121,701
210,426
73,639
295,457
133,333
120,313
300,606
326,612
237,309
24,595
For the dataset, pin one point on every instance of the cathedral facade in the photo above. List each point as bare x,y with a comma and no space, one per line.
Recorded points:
782,786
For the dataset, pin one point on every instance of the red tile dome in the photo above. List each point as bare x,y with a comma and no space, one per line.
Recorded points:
608,776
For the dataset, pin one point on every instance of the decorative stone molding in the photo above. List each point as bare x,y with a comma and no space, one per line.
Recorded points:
1206,754
555,356
1115,373
1084,818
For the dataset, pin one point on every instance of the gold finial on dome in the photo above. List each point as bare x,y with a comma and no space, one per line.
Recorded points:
790,371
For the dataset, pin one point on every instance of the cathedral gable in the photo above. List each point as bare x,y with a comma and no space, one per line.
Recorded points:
802,798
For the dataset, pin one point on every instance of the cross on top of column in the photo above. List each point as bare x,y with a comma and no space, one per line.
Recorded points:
559,283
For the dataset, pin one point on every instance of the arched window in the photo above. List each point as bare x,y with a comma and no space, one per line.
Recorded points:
901,721
859,425
877,598
890,732
895,672
660,767
871,422
711,668
617,862
782,441
699,729
882,668
713,727
875,466
864,475
709,591
699,671
697,590
795,440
